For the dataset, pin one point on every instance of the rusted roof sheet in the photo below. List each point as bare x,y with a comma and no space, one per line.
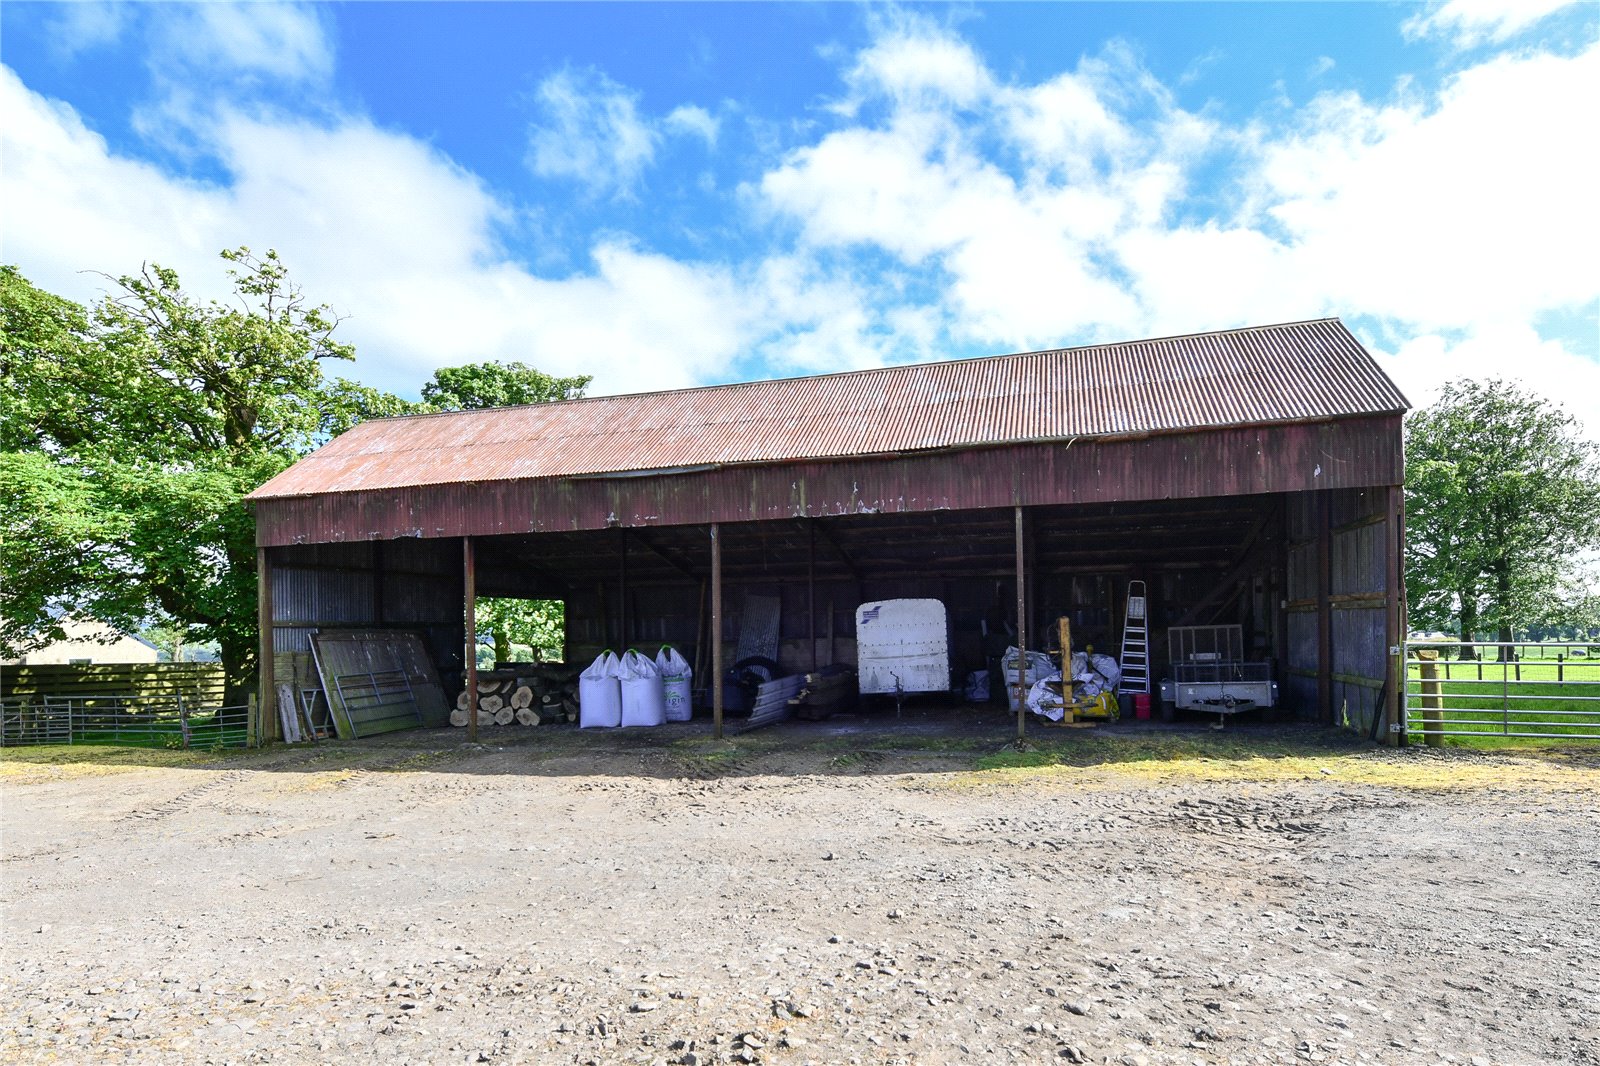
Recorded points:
1296,372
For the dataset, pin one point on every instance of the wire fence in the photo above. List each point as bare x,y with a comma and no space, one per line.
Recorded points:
1484,689
134,721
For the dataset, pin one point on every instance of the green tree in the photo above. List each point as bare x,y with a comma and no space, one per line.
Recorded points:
538,625
491,384
131,434
1502,502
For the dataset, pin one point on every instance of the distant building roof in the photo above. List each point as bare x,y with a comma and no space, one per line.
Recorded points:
1294,372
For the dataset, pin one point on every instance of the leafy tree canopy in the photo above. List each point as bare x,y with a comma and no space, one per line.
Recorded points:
1502,503
479,385
132,431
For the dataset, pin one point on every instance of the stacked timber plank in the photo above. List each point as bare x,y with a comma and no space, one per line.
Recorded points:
824,693
545,694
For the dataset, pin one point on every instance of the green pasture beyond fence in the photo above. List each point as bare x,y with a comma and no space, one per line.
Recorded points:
1508,690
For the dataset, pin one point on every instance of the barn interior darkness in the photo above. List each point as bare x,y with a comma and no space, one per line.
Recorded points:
1210,560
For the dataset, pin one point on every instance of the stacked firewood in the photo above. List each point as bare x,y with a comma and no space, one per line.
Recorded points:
544,694
825,693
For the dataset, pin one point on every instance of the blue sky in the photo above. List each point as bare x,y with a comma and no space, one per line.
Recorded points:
665,195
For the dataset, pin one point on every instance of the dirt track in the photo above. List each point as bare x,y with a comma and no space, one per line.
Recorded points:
840,896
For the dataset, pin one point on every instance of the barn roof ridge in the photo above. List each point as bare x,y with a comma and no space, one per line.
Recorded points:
833,374
1306,371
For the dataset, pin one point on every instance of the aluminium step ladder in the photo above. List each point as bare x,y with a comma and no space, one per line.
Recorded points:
1136,642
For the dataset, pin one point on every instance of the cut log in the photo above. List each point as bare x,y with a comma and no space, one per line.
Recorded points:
487,686
523,697
525,716
490,703
505,715
458,717
461,700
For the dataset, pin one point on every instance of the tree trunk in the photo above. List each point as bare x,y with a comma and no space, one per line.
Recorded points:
1469,623
1502,587
238,667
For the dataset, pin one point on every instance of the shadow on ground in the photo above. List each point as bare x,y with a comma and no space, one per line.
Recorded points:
923,740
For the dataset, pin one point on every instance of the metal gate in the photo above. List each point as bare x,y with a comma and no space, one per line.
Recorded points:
1484,689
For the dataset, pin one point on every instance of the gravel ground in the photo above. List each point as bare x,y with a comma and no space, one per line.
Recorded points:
845,893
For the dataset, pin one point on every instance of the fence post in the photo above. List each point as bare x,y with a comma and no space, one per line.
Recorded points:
183,721
1561,667
252,727
1505,699
1432,700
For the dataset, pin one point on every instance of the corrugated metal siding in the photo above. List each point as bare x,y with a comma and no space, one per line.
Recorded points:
1224,462
1289,373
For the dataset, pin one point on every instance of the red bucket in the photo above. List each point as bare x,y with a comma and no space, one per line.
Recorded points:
1141,705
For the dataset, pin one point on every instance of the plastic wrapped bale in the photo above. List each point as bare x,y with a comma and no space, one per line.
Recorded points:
600,694
677,679
1045,701
643,700
1039,665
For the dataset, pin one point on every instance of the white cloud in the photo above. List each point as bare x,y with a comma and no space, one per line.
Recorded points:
1472,22
693,121
1473,209
1422,365
915,63
87,25
590,131
283,41
403,242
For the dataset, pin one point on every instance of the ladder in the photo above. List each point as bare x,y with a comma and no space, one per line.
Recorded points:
1136,642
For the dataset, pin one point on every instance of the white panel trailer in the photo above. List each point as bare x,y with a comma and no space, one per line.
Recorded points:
902,646
1209,672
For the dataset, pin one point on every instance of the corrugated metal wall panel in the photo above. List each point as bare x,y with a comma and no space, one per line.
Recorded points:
1228,462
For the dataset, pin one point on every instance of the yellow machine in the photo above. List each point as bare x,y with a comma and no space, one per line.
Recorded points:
1081,709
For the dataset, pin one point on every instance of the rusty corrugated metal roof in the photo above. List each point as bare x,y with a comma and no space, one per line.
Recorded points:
1295,372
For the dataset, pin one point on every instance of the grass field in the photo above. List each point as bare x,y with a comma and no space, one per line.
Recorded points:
1538,694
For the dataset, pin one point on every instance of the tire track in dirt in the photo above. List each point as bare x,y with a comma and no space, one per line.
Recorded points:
185,799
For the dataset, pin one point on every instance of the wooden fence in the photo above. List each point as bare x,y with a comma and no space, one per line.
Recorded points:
200,684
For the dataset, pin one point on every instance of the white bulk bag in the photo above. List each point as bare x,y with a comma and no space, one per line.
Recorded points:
643,700
600,694
676,679
1045,701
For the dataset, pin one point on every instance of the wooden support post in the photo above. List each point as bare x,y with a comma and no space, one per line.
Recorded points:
469,570
716,632
265,662
1394,693
700,635
1022,634
1432,699
622,596
811,594
1325,608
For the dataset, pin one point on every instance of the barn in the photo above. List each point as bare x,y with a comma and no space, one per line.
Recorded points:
1249,476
